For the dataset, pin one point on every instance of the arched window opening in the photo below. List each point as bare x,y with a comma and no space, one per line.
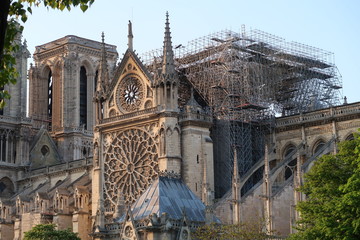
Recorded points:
83,97
1,109
95,80
50,97
318,146
289,150
84,152
173,92
14,151
3,148
350,137
290,169
168,92
6,187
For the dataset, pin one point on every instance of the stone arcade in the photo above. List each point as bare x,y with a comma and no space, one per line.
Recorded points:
127,150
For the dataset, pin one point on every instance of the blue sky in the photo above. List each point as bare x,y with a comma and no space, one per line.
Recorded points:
332,25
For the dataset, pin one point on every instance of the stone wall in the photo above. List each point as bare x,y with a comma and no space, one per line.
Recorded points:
309,133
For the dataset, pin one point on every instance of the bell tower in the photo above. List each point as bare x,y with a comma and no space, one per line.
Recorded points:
62,86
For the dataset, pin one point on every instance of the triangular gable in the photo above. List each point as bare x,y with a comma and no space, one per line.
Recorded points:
43,152
130,76
122,69
184,233
128,231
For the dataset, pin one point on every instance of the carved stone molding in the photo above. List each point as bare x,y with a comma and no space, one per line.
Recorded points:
130,164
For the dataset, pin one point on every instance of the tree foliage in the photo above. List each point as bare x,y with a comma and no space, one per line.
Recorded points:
243,231
11,12
48,232
332,187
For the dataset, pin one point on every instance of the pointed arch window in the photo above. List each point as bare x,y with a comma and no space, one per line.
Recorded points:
83,97
290,167
95,80
50,97
1,109
318,146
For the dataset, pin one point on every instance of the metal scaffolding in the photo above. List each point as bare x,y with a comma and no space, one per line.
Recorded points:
248,78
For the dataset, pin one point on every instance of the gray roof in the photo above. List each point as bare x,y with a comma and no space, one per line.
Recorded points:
171,196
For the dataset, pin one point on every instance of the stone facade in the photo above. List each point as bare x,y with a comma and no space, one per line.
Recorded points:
105,144
307,135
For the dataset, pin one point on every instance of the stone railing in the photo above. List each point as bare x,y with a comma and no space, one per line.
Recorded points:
78,130
112,226
323,114
73,130
10,119
132,115
60,167
109,210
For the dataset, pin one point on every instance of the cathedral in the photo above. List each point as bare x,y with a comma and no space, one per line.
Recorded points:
153,148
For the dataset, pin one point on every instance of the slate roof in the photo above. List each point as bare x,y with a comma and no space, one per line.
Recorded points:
43,195
171,196
63,191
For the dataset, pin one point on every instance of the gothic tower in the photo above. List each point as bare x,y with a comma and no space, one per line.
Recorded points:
137,134
166,83
15,128
197,150
62,84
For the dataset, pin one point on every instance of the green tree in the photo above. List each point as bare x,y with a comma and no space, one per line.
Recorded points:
48,232
10,12
243,231
332,187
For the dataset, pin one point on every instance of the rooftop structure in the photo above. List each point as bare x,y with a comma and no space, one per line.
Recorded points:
248,78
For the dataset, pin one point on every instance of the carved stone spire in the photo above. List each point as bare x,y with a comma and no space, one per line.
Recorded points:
102,81
130,36
103,75
168,54
166,83
100,217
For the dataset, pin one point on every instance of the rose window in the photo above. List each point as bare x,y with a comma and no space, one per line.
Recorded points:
130,94
131,164
128,231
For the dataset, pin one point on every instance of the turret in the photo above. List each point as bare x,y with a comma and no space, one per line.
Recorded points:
102,82
166,83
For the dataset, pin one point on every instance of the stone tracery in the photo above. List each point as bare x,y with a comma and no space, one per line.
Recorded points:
130,164
130,93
